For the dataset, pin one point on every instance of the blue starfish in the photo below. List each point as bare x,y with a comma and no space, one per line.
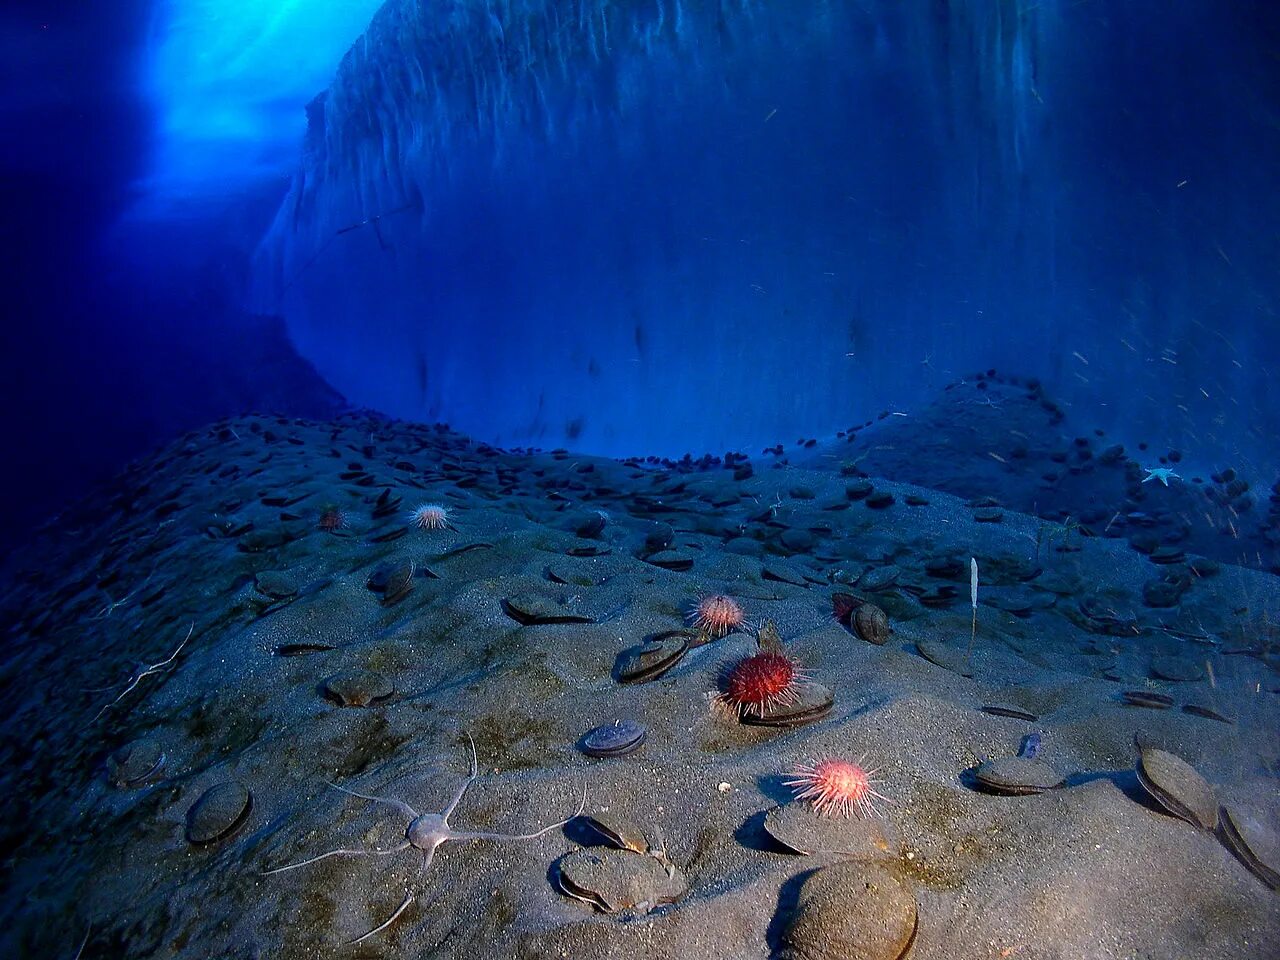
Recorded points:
1160,473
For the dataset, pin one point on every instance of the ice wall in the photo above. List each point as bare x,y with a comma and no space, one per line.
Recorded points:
663,226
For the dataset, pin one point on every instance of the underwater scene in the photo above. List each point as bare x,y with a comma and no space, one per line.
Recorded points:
669,479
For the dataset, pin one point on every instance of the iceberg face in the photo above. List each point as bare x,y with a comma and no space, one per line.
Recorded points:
662,226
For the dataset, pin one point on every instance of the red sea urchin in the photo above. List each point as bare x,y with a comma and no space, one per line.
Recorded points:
836,787
331,520
717,615
761,682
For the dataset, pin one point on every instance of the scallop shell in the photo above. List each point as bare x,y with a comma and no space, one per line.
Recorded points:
800,829
615,739
358,688
619,831
653,659
1250,842
1177,787
219,812
135,763
813,702
852,911
1017,776
615,880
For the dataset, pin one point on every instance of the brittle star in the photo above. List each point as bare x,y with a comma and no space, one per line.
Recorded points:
145,670
425,832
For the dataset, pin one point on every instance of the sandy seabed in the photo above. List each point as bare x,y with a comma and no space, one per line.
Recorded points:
196,653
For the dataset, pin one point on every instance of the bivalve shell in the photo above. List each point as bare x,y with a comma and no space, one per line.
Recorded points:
800,829
872,624
852,911
1017,776
219,812
1177,787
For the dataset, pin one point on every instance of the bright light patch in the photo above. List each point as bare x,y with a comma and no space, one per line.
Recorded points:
229,80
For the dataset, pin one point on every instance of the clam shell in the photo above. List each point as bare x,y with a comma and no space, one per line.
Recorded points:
1009,710
219,812
852,911
619,831
615,880
1250,842
529,609
879,578
1147,698
800,829
671,560
358,688
1017,776
399,583
813,702
615,739
276,584
946,655
1177,787
872,624
134,763
652,659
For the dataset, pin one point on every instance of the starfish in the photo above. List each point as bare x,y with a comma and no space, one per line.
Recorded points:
425,832
1160,473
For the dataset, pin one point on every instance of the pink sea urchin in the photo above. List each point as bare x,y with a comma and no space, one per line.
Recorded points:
717,615
836,787
429,516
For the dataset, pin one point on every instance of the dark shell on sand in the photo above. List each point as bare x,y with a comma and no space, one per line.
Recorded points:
619,831
135,763
1250,842
1147,698
784,573
653,659
813,701
615,739
879,578
852,911
1177,787
1178,669
530,609
800,829
945,655
1009,710
393,581
276,584
358,688
872,624
1198,711
219,812
1017,776
671,560
615,880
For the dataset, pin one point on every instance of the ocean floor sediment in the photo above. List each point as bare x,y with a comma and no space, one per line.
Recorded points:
206,664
